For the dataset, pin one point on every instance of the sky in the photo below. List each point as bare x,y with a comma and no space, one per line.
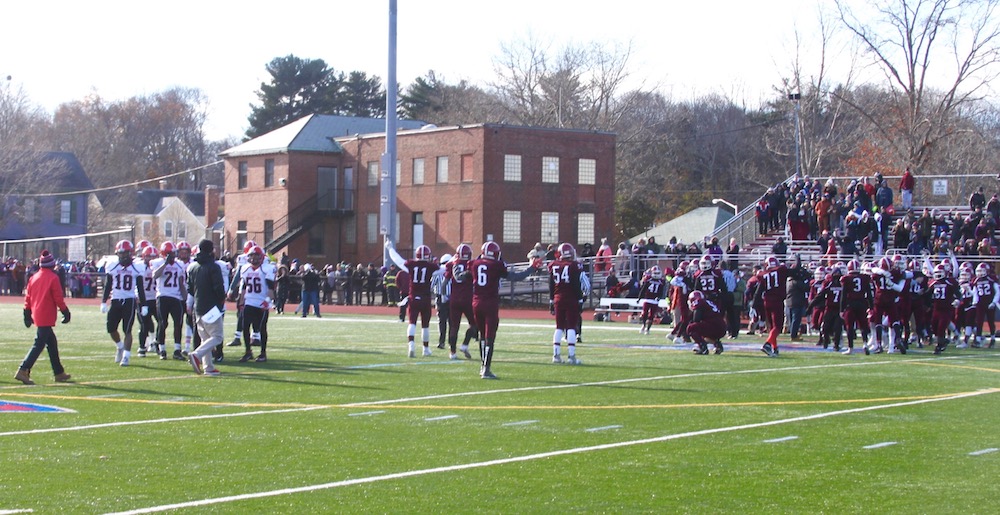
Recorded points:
63,51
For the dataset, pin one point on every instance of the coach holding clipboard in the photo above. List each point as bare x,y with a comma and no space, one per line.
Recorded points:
207,302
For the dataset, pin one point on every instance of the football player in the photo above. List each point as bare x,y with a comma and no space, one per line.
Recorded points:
771,290
147,327
123,284
419,269
856,300
651,291
827,303
171,297
888,282
460,299
565,298
986,297
681,285
235,290
707,323
944,294
184,258
256,291
485,273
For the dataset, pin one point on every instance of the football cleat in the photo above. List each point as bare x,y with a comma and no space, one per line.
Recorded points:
178,356
246,357
556,359
142,352
213,373
235,343
573,360
411,354
701,351
487,374
767,349
465,352
453,356
163,355
125,361
441,345
262,358
427,351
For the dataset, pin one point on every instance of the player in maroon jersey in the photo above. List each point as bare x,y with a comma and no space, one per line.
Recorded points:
965,313
815,310
944,294
565,297
460,302
913,306
708,280
485,273
680,286
888,283
771,290
986,296
827,302
419,269
707,323
856,300
652,290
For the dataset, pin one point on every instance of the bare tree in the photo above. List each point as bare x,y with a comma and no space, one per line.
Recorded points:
23,127
907,40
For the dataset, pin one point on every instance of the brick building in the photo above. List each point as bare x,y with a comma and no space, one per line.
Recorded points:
311,188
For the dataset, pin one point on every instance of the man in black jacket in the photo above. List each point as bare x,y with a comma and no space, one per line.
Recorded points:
206,302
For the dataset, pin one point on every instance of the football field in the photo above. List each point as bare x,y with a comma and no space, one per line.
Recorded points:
339,420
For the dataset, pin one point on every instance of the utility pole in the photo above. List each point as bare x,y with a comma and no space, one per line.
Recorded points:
797,98
387,199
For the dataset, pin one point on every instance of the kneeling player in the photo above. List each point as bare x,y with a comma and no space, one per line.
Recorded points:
707,323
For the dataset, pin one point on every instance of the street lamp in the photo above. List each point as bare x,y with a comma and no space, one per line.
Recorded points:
736,210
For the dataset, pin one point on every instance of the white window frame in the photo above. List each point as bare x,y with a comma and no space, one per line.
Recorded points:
550,170
585,228
588,171
511,168
418,170
168,229
550,227
372,173
371,228
512,227
65,211
442,169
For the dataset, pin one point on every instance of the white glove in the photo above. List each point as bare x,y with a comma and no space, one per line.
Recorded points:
104,307
266,305
994,306
143,311
956,303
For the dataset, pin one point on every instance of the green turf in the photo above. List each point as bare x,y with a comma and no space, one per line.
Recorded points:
630,389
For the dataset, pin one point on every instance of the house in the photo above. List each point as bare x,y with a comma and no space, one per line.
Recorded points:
160,215
47,198
691,227
312,188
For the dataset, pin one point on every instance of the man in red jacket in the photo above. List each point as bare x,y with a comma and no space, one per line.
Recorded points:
43,296
906,188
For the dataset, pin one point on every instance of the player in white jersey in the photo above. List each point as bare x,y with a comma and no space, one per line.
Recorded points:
123,284
256,284
171,295
147,324
241,261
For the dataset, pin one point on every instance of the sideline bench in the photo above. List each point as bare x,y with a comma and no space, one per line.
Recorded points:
624,305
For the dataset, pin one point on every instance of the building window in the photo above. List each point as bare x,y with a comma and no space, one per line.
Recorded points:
243,174
372,228
466,167
351,230
168,230
373,173
588,171
550,227
66,212
241,234
418,171
268,173
268,231
147,229
550,170
442,169
28,211
585,228
512,227
511,168
316,247
182,230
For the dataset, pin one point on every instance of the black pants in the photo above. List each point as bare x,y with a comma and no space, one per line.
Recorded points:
444,315
254,321
172,309
45,338
147,325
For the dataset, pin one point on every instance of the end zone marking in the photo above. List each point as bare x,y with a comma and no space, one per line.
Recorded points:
443,417
879,445
783,439
602,428
542,455
984,451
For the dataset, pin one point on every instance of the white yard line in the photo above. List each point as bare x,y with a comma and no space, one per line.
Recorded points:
519,423
538,456
602,428
984,451
783,439
443,417
155,421
879,445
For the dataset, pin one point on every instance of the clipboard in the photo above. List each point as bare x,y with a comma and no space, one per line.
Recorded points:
212,315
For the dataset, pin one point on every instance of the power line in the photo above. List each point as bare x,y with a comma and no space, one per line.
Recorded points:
119,186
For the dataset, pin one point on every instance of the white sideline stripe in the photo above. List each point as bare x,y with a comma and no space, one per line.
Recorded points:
530,457
520,423
602,428
784,439
11,512
640,379
443,417
879,445
156,421
365,413
984,451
